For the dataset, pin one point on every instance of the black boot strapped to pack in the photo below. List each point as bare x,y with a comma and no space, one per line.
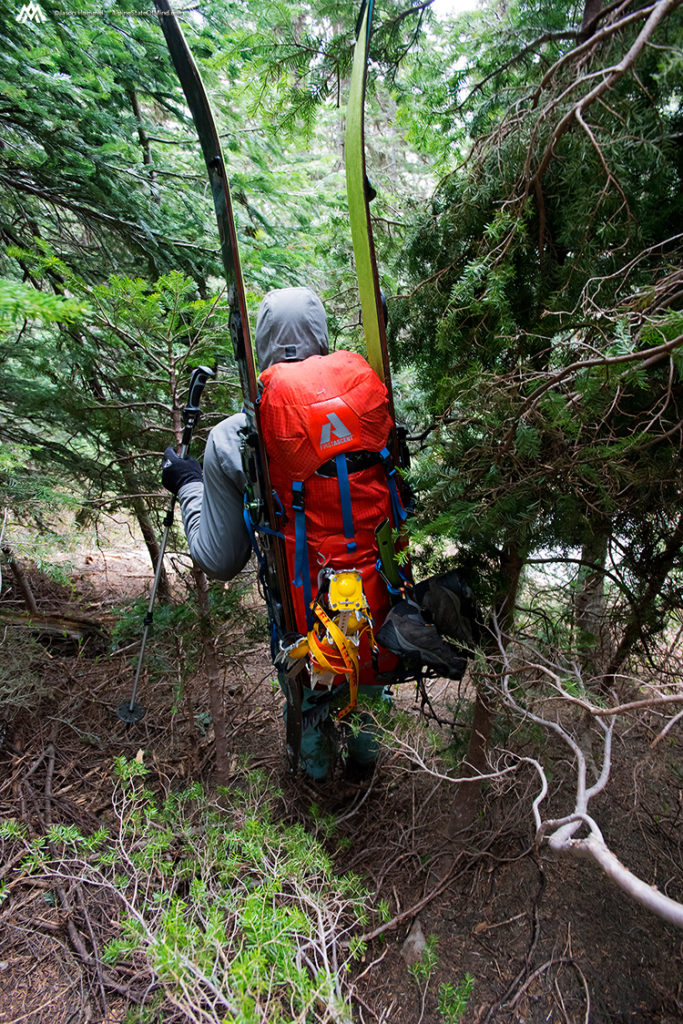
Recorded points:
406,633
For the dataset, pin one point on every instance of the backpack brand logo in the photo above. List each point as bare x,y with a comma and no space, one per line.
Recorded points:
334,432
332,426
31,12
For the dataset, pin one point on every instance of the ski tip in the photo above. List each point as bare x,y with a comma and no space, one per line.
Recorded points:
361,15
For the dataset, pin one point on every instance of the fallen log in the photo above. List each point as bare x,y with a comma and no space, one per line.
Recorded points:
47,625
22,584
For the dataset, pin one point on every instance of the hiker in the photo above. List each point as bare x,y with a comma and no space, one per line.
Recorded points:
291,327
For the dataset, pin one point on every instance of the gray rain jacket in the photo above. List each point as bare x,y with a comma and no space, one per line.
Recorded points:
291,326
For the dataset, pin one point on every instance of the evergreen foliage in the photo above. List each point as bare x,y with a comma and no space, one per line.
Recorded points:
540,320
544,315
104,199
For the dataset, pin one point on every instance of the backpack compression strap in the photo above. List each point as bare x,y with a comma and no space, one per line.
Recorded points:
344,660
399,513
302,572
345,500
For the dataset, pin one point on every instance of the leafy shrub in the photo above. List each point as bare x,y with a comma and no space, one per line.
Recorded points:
232,916
453,1001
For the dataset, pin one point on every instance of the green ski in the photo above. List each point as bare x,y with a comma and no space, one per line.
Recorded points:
359,194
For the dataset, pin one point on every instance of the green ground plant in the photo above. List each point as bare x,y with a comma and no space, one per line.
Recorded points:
453,1001
423,968
228,914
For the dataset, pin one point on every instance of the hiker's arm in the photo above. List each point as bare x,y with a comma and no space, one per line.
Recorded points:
212,511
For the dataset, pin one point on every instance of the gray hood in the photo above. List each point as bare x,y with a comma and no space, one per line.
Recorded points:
291,326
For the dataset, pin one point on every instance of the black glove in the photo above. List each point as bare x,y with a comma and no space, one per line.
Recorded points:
175,472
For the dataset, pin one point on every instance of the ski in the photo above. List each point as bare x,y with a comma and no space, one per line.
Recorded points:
359,194
290,654
198,102
276,583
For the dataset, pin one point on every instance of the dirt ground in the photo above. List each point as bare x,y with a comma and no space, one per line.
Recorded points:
545,941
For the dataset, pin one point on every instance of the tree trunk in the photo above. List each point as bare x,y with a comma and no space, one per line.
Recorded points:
589,22
641,610
146,529
145,144
468,793
152,544
213,677
512,563
589,605
58,628
137,504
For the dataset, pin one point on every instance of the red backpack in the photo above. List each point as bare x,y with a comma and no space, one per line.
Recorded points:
326,425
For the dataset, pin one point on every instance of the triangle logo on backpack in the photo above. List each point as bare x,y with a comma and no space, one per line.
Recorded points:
333,428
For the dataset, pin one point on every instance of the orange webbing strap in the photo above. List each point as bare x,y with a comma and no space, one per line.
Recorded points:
353,683
324,658
347,651
346,648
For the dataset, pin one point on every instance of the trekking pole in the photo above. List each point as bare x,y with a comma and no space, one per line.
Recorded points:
129,711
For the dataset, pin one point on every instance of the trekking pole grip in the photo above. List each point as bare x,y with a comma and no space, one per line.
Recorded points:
192,412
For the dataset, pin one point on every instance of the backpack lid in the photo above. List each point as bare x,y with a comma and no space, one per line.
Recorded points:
319,408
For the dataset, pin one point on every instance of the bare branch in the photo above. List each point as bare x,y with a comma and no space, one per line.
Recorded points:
597,37
670,724
610,77
532,47
648,896
645,356
560,834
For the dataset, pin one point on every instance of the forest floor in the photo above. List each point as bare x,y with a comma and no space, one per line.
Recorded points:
546,941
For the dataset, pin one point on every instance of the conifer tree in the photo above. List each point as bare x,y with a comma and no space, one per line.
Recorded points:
544,313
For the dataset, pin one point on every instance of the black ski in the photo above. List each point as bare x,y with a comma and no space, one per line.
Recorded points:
274,568
276,582
198,103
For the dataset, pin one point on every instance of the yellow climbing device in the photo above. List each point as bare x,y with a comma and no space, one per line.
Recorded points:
346,592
